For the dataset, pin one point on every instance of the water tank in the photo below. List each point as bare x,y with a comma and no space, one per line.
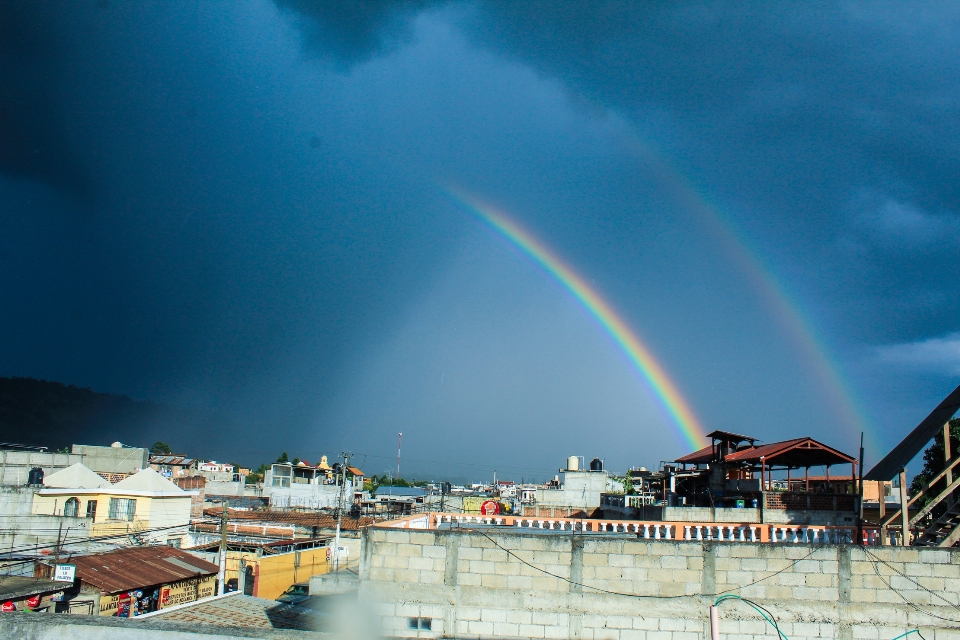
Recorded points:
596,464
35,477
573,463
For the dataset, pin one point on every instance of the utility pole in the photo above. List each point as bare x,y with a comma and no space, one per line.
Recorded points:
346,455
399,439
222,576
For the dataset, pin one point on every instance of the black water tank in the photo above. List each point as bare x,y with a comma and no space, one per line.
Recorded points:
35,477
596,464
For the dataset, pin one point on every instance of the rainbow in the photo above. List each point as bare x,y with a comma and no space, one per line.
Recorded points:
637,353
809,345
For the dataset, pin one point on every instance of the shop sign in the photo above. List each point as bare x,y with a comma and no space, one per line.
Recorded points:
187,591
115,604
65,572
33,601
57,597
8,606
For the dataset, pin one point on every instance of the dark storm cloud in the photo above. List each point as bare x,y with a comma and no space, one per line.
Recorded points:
788,113
34,124
349,32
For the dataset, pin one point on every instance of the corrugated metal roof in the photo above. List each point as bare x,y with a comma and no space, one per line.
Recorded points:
301,519
701,455
799,452
136,567
172,460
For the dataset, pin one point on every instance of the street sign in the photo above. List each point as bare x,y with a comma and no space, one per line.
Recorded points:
65,573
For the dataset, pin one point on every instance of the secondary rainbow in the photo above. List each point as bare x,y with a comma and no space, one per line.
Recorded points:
636,352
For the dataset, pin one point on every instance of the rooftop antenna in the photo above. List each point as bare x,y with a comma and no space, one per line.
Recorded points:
399,439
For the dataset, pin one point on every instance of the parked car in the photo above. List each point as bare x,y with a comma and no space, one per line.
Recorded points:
296,593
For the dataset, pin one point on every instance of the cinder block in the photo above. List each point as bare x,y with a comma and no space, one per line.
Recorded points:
532,543
409,549
481,567
633,634
547,583
519,616
506,568
805,629
396,562
480,628
646,623
493,581
865,633
524,583
423,538
917,569
820,580
545,618
788,579
734,564
493,615
531,631
468,579
620,560
469,613
496,555
743,550
806,566
946,570
595,560
433,551
673,562
422,564
431,577
671,624
468,553
407,575
381,574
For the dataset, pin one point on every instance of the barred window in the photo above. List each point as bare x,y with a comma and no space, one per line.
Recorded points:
122,509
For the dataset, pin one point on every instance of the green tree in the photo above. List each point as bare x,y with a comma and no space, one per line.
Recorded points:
933,463
160,448
296,461
283,458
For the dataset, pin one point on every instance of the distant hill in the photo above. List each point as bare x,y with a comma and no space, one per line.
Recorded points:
56,415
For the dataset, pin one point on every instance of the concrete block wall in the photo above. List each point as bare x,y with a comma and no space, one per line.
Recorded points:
467,584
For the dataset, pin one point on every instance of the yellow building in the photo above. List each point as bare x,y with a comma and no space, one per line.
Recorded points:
270,568
145,505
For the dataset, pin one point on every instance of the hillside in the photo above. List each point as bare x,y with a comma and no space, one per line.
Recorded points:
55,415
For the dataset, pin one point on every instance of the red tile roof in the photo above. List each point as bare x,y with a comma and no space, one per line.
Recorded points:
299,518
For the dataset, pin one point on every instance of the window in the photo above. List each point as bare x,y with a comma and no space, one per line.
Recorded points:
71,508
92,509
122,509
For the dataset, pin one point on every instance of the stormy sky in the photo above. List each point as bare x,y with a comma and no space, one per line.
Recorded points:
245,207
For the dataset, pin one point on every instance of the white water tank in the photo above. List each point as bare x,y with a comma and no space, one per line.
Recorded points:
573,463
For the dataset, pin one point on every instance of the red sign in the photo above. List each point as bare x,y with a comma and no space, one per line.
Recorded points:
33,602
8,606
490,508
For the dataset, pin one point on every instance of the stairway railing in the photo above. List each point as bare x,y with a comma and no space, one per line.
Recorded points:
923,491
